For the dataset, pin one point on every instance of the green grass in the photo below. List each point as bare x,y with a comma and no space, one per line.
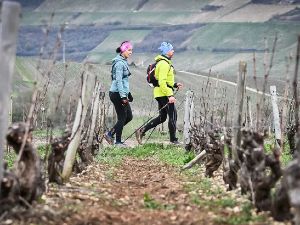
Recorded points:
214,204
38,133
25,69
122,5
244,35
244,217
202,184
43,18
234,36
286,157
166,153
11,156
151,203
203,194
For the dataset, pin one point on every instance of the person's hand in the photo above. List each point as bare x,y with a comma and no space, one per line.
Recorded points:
124,101
179,86
172,99
130,98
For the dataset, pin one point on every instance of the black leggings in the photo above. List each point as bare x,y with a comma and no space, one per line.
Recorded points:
124,114
165,110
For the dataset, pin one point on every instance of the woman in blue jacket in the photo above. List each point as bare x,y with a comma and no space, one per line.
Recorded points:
119,92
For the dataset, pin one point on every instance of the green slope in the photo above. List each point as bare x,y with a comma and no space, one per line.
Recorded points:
121,5
243,35
108,46
88,5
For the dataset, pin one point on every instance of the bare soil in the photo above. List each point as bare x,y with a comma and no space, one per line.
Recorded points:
105,194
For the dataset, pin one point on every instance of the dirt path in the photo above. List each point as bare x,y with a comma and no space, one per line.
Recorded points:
120,194
138,191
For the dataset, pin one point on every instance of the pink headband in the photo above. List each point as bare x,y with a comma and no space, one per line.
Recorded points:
125,46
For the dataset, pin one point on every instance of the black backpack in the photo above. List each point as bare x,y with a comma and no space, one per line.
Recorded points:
151,79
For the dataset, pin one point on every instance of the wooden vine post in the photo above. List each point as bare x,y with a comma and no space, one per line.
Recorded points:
293,169
76,130
95,107
295,88
249,113
10,17
188,116
238,111
276,119
101,116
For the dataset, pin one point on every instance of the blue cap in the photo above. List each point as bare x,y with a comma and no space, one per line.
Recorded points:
165,47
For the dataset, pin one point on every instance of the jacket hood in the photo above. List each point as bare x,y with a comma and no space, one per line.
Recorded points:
118,58
160,57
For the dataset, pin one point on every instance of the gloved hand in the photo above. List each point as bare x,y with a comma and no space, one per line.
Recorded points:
172,99
124,101
179,86
130,98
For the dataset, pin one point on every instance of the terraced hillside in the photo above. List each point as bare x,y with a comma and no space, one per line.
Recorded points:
133,12
207,35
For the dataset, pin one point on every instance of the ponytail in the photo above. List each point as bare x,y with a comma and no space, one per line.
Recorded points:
118,50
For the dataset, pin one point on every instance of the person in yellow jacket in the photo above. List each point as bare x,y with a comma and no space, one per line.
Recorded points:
164,94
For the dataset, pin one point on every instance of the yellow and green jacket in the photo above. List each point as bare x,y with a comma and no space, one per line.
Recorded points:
164,73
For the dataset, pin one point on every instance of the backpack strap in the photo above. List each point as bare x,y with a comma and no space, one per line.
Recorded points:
168,71
167,62
112,69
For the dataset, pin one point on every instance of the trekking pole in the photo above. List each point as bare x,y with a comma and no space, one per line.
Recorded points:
144,123
175,92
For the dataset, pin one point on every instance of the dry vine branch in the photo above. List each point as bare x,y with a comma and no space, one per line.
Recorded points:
266,76
47,73
283,122
46,31
62,88
27,127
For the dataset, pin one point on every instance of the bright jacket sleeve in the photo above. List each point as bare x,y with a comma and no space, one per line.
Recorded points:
119,78
163,68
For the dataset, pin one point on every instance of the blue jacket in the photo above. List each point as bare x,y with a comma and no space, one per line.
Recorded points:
120,73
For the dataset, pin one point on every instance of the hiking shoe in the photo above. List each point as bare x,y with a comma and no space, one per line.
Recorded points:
176,142
139,135
120,145
108,137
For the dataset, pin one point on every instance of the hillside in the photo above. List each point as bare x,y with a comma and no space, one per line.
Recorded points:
207,35
147,12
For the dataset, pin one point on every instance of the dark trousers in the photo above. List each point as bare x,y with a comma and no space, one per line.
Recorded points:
124,114
165,111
